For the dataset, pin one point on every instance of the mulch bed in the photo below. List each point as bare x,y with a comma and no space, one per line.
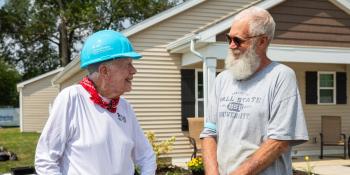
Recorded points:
298,172
172,169
182,171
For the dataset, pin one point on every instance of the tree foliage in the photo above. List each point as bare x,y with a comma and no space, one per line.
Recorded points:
39,35
8,78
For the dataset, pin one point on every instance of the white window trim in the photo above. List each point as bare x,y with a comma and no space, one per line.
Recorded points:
334,87
196,90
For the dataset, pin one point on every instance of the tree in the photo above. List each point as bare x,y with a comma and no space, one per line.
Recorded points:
8,78
39,35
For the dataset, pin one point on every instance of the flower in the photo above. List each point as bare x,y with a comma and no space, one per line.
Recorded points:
195,164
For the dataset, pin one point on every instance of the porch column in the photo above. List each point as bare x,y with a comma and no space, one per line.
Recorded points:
210,63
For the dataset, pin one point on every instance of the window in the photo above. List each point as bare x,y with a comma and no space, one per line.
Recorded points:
199,94
199,110
326,88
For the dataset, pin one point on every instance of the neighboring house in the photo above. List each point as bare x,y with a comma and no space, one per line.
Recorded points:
312,37
36,97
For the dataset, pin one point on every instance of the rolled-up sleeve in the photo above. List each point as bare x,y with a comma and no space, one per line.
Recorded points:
209,129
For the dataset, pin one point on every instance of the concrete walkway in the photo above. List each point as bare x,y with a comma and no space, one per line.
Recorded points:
326,166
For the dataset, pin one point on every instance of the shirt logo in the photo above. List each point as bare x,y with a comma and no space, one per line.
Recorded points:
237,107
121,118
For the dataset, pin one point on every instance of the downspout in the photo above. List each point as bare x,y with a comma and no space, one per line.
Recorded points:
205,75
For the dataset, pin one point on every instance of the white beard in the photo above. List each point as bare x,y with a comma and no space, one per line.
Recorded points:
244,65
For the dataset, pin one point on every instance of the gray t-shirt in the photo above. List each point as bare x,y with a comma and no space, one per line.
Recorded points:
243,114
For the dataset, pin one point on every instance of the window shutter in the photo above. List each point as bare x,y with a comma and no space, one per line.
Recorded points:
341,88
187,96
311,87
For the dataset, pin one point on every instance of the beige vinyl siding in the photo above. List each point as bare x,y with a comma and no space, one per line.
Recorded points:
315,23
313,112
156,94
73,79
37,97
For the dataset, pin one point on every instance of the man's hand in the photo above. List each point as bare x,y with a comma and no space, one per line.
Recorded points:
268,152
209,156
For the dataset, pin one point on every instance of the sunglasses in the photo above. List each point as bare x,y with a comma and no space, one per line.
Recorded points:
238,41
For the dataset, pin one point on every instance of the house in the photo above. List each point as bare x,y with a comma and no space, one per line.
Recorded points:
36,96
312,37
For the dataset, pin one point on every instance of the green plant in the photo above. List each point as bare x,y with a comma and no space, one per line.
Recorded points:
160,147
309,168
196,164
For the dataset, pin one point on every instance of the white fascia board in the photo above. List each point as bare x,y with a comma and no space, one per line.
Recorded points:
283,53
342,4
306,54
217,50
180,44
161,16
22,84
71,68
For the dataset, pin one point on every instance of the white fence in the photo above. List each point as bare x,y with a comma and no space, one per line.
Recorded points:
9,117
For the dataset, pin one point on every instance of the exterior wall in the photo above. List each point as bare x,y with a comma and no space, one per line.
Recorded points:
313,112
309,23
37,97
73,79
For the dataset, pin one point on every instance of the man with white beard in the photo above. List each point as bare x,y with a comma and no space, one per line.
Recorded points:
255,113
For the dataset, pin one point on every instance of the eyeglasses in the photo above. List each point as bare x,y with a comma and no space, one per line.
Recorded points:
238,41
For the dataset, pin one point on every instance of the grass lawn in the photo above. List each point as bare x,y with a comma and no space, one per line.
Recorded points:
23,144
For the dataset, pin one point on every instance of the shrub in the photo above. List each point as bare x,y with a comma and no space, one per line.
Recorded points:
160,147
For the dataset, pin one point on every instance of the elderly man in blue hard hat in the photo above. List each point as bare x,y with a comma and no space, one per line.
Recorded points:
92,130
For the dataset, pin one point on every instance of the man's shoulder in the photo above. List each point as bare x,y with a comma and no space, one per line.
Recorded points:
72,90
282,69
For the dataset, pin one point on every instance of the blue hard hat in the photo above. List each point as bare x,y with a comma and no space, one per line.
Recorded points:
105,45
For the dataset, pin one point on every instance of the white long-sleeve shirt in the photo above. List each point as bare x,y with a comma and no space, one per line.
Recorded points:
82,138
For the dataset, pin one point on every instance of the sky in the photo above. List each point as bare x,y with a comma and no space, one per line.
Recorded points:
2,2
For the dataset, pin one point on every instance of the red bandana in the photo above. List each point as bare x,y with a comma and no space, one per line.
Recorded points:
96,98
